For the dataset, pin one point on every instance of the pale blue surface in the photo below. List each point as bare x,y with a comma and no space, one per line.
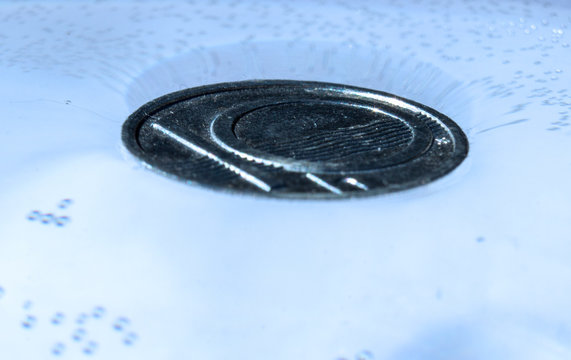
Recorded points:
186,273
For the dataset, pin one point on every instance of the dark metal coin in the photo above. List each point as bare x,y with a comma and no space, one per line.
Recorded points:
295,139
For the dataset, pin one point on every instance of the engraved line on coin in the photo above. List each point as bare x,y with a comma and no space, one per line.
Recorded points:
356,183
342,145
285,164
323,184
243,174
238,153
395,102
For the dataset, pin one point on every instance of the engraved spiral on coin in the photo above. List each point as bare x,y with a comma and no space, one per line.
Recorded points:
294,139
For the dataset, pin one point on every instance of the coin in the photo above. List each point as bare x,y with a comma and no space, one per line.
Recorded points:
297,139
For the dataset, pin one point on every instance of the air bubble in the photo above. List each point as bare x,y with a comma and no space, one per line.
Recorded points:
34,215
58,318
78,335
2,292
67,102
98,312
61,220
27,305
81,318
47,218
130,338
58,349
29,322
65,203
121,323
364,355
90,348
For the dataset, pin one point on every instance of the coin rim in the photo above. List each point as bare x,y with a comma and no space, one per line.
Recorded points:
131,127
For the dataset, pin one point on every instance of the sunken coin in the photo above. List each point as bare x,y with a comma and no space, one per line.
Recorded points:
294,139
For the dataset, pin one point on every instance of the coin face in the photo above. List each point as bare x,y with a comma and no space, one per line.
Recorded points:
294,139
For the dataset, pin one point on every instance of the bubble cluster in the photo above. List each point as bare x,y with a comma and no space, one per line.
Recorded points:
50,217
508,35
79,329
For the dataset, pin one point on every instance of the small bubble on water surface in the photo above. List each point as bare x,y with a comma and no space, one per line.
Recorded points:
58,318
121,323
65,203
47,218
90,348
364,355
34,215
58,349
98,312
62,220
78,335
81,318
29,322
130,338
